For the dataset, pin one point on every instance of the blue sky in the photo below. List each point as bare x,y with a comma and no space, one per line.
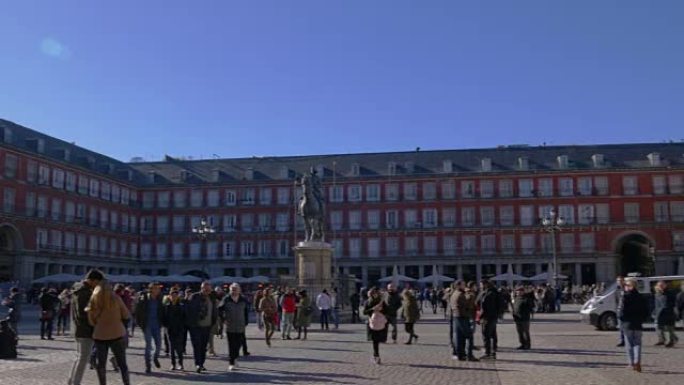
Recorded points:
274,77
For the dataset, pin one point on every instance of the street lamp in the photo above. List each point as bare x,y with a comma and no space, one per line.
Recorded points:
203,230
553,224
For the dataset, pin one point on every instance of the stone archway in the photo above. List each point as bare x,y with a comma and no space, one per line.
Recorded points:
11,245
634,253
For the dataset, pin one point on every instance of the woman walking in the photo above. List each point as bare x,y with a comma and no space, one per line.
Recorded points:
174,323
411,314
375,309
303,316
634,313
269,313
108,315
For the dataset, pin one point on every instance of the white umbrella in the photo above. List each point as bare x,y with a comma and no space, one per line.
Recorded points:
435,278
257,279
396,278
546,276
509,277
58,278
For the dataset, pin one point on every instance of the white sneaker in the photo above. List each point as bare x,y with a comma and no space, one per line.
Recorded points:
231,367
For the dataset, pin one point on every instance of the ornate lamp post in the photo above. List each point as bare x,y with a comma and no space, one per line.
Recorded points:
203,230
553,224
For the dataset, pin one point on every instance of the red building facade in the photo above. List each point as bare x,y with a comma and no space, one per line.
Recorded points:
466,213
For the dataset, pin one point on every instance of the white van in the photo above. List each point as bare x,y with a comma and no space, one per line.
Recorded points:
601,310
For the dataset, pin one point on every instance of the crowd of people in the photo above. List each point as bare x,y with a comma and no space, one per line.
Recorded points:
104,317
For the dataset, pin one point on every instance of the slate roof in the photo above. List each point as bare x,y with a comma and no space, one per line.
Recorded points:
503,159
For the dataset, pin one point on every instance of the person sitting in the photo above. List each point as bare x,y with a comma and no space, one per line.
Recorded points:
8,341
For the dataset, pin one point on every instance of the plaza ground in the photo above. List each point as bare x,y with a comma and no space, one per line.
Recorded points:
564,352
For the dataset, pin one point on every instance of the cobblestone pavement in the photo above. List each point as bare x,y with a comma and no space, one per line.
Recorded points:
564,352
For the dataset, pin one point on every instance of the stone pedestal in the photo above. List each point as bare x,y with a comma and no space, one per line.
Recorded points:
314,262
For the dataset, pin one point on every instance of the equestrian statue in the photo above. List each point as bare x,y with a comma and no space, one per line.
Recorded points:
311,206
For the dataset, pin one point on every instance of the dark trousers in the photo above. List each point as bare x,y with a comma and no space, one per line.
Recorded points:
523,329
244,344
200,339
235,341
464,337
392,321
118,347
325,315
176,341
355,314
376,348
62,322
489,337
46,328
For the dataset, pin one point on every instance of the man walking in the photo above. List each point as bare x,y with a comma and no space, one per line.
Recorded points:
490,308
80,326
323,303
201,315
148,315
234,312
393,305
48,304
523,305
462,306
288,303
665,315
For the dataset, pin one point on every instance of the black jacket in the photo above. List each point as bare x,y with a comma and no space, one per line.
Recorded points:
174,318
368,309
664,308
80,297
634,311
192,310
523,307
490,304
393,304
141,310
8,343
48,302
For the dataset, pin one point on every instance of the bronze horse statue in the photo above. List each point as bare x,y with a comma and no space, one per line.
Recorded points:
311,208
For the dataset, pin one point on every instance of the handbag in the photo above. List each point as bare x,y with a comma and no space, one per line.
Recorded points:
47,315
377,321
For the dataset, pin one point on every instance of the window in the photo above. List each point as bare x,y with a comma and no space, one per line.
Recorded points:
246,222
264,221
630,185
585,213
265,248
229,223
545,211
631,212
354,192
373,219
468,216
179,224
587,242
373,193
467,189
487,216
42,206
179,199
125,196
566,187
676,184
567,241
116,191
247,249
527,215
429,191
114,220
337,194
508,243
355,220
162,251
659,185
373,247
284,247
411,246
265,196
283,195
677,211
69,211
81,244
392,246
506,216
42,238
430,245
248,196
449,217
661,211
146,251
448,190
178,251
527,243
354,247
148,200
92,244
146,224
106,191
567,212
94,188
56,209
282,222
678,241
213,198
8,200
602,213
468,244
545,187
546,243
486,189
228,249
584,185
162,225
410,191
231,198
10,165
31,171
336,220
392,219
392,192
410,218
30,204
429,218
196,198
449,244
124,223
525,187
505,188
83,184
43,174
488,244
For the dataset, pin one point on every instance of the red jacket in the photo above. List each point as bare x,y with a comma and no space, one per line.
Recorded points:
288,303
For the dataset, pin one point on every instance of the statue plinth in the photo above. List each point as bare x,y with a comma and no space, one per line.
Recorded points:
314,271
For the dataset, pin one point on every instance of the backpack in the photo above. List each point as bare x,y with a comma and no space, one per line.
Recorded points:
377,321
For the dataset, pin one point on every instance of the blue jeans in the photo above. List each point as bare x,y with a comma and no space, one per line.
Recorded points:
633,344
336,317
462,335
324,318
152,332
622,332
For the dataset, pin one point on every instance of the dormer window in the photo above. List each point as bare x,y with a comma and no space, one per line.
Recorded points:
7,135
320,170
523,163
36,144
215,175
249,173
184,175
597,160
562,162
654,159
355,169
486,164
284,172
409,167
151,176
392,168
447,166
